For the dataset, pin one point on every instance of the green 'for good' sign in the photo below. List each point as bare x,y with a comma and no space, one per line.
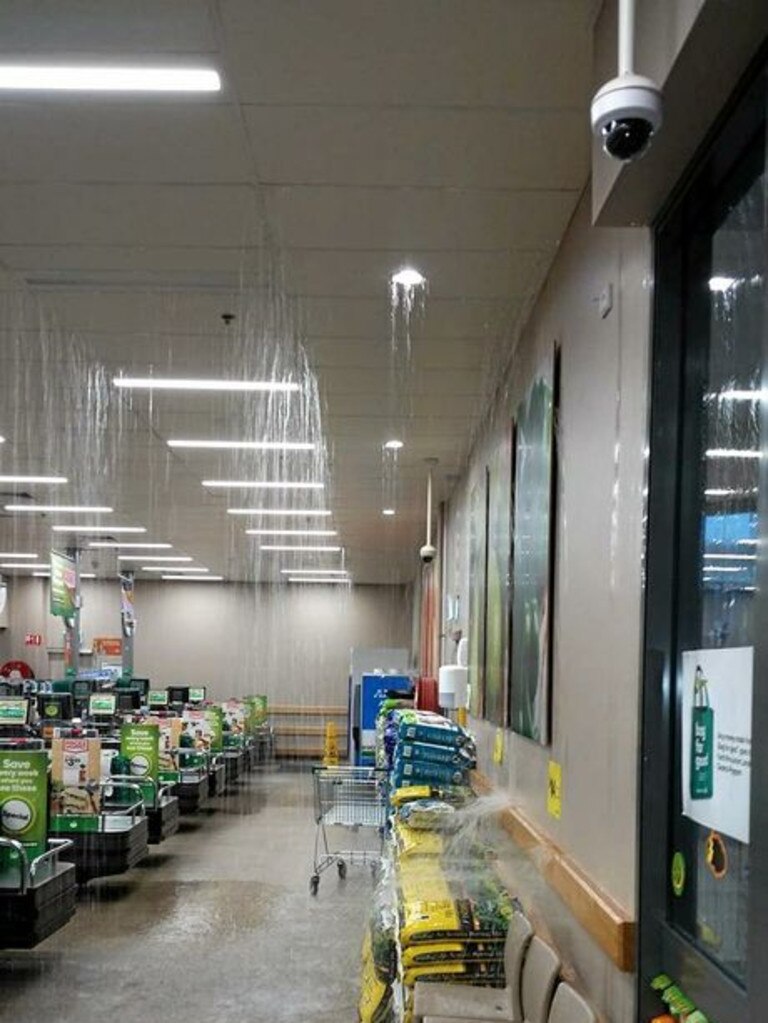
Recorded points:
24,801
214,716
140,745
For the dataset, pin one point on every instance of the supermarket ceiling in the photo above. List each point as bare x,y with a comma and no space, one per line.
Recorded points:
350,138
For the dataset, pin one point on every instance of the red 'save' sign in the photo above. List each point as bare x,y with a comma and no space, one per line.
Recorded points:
33,639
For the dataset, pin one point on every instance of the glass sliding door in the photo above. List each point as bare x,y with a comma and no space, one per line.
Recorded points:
706,690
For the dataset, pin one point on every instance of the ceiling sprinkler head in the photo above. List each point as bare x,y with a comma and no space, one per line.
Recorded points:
408,277
228,318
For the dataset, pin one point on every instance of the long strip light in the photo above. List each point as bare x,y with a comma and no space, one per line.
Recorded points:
284,547
40,509
291,532
18,564
34,479
730,557
197,384
277,512
314,571
16,556
264,484
326,581
98,529
115,544
172,568
724,568
243,445
107,78
733,453
730,492
42,575
153,557
194,578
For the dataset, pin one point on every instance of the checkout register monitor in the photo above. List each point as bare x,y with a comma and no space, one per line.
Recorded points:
197,694
157,698
14,716
102,705
55,707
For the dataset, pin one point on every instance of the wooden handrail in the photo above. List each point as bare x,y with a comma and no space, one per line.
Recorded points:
604,919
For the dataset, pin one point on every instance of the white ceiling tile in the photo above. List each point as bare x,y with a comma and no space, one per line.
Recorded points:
497,149
434,52
402,220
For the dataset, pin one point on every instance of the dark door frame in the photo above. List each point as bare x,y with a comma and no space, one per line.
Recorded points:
661,946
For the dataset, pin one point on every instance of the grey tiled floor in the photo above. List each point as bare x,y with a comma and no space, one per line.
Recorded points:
217,925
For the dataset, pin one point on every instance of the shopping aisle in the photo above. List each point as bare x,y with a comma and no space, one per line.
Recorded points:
216,925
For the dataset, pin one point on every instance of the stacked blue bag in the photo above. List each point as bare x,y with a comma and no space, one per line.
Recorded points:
428,749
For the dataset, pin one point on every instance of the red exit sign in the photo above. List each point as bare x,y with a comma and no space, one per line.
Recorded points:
33,639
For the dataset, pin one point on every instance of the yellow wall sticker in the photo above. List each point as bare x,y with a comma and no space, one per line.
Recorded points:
498,746
555,790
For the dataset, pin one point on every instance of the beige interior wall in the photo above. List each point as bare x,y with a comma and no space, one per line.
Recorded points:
602,434
292,643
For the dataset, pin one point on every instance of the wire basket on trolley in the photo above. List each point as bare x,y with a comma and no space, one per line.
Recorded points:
352,798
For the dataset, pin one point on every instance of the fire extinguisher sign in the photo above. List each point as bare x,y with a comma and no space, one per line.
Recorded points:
717,738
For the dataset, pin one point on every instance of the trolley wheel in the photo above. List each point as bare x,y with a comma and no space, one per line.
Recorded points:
314,884
342,869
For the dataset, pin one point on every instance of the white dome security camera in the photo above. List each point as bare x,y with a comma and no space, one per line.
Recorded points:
428,553
626,114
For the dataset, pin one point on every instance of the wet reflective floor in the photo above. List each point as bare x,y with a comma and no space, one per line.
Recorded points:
217,924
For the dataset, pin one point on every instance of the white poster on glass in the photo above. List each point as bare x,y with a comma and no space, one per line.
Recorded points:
717,738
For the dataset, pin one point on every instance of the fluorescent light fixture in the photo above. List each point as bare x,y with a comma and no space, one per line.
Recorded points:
326,581
732,453
243,445
69,508
291,532
194,578
107,78
180,384
17,564
33,479
115,544
98,529
737,394
87,575
172,568
314,571
153,557
315,550
263,484
2,440
17,557
747,542
719,284
287,512
387,511
393,445
723,568
730,492
730,557
42,575
408,277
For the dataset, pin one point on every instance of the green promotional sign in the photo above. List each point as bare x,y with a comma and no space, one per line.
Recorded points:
215,719
63,585
157,698
140,745
197,694
256,712
702,741
23,802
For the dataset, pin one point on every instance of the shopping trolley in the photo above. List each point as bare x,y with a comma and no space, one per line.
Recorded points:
347,797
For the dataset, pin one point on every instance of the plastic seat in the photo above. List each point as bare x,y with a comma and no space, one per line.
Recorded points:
569,1007
540,972
467,1002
